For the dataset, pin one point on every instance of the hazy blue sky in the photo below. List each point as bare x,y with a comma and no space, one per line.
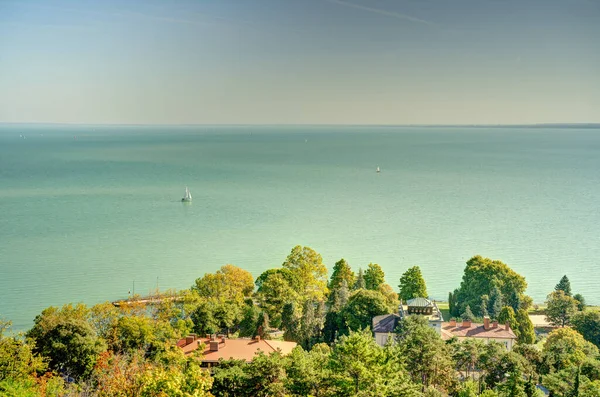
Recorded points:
300,61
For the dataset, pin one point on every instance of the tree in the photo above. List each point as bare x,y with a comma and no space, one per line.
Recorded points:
263,326
229,283
412,284
580,302
360,280
483,307
526,333
249,323
452,303
308,373
359,367
507,316
341,272
468,314
560,308
134,333
588,324
391,298
308,329
427,355
290,322
566,348
496,302
230,379
274,292
308,268
266,375
67,339
189,381
481,276
564,285
362,306
467,355
374,276
17,360
285,273
204,319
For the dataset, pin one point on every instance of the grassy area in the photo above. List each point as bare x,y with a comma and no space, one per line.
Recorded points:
443,306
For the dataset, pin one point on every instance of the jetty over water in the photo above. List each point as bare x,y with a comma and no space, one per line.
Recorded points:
145,300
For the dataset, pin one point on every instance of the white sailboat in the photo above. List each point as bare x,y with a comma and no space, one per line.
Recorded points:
187,196
378,170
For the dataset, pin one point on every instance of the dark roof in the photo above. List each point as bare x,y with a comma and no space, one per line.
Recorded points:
385,323
419,302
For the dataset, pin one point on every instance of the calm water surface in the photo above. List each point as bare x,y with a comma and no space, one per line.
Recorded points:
87,211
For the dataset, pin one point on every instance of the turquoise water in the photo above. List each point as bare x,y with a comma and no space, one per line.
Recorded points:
87,211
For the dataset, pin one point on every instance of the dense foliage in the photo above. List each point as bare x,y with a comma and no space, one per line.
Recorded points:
492,281
131,350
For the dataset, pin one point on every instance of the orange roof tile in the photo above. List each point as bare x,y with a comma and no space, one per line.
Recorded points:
476,331
238,349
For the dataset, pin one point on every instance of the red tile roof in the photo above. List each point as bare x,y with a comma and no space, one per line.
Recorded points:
476,331
238,349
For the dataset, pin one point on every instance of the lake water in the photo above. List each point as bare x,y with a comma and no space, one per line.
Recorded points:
87,212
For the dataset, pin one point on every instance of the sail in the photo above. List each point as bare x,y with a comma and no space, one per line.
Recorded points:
187,196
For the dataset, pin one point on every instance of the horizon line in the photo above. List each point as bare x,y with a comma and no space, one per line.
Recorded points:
577,124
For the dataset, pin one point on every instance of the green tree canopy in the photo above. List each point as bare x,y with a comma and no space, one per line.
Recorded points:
526,333
481,276
229,283
580,302
468,314
412,284
341,272
362,306
427,356
565,348
507,316
308,268
285,273
361,368
274,292
588,324
564,285
308,373
560,308
374,276
360,280
67,338
17,360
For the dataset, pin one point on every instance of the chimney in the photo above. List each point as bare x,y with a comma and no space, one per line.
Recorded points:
214,346
466,323
207,336
223,339
495,324
213,338
453,322
486,323
257,338
189,339
506,327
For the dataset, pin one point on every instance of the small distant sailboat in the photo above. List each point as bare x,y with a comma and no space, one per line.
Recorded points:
188,196
378,170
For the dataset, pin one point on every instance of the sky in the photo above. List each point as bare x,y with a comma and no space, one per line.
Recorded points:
300,61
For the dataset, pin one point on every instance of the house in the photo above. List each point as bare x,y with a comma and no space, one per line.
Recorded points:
215,348
486,332
385,325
